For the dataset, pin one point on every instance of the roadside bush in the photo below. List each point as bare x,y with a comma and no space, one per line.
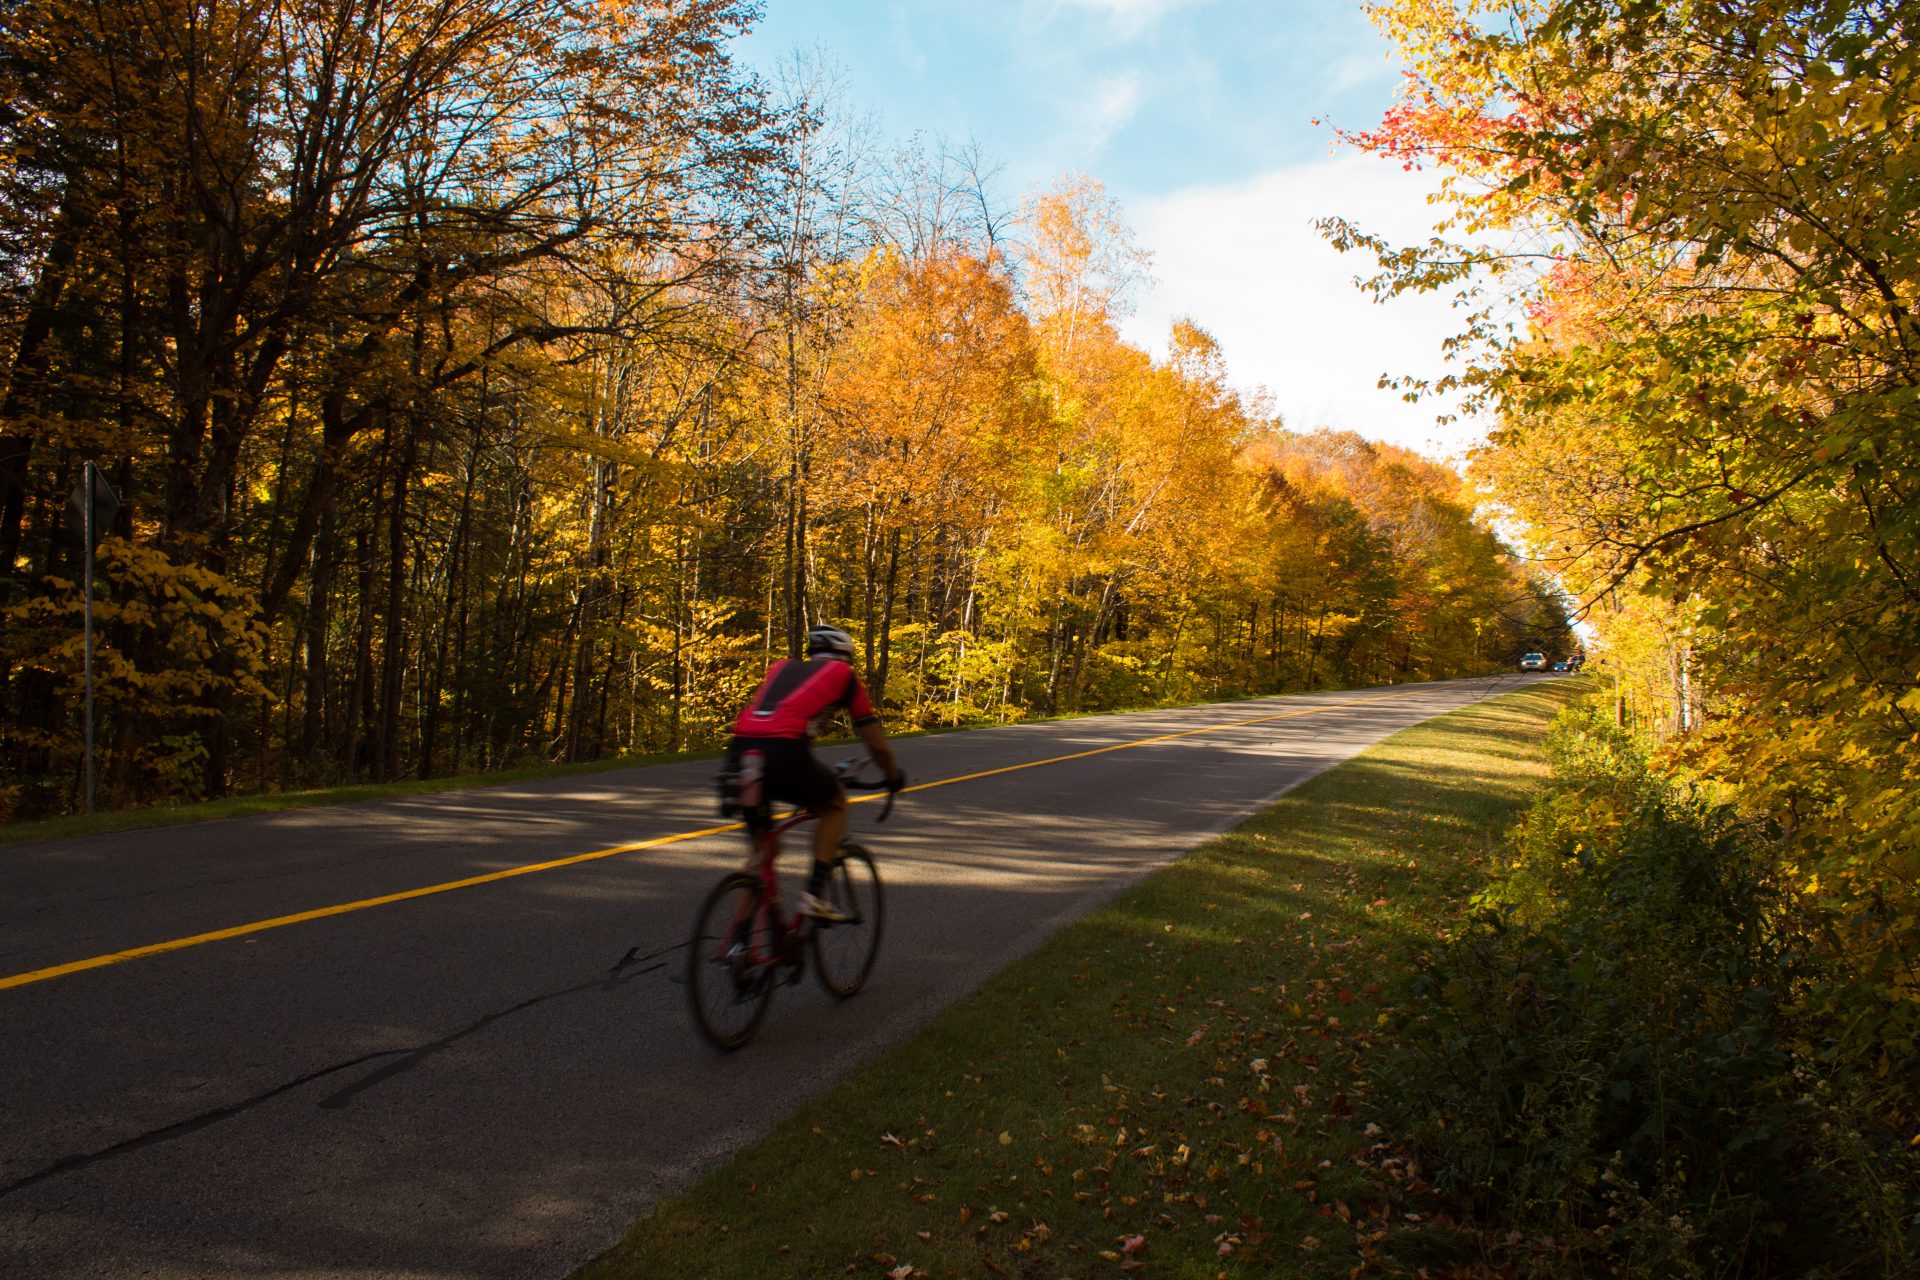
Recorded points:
1601,1064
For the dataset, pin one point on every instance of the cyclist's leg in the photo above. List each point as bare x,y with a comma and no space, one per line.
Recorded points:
830,830
796,775
827,801
751,806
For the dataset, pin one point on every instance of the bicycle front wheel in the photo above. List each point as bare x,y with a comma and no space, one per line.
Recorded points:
843,950
728,984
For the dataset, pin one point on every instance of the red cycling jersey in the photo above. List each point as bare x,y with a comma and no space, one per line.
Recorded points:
797,694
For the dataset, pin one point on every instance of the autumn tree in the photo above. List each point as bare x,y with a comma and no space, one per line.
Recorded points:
1710,405
291,211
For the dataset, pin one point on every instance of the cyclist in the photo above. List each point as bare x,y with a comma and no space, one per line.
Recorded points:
779,723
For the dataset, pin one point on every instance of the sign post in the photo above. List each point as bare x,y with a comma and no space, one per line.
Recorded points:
95,502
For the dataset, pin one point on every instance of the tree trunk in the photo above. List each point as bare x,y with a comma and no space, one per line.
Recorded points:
455,589
23,379
393,674
313,727
886,618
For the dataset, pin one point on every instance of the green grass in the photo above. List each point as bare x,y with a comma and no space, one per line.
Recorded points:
1172,1087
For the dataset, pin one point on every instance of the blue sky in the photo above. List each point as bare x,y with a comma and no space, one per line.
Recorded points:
1198,116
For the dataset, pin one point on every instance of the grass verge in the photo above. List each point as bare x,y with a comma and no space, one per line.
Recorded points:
1171,1087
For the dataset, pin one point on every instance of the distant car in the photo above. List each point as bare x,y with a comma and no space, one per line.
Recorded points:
1533,662
1562,665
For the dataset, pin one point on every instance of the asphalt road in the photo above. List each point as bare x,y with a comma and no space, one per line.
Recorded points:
468,1083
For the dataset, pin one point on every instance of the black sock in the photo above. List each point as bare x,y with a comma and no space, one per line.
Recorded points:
817,881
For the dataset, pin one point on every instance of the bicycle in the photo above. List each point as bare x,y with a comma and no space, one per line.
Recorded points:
744,943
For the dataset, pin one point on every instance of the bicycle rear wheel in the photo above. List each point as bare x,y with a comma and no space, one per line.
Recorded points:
729,992
844,950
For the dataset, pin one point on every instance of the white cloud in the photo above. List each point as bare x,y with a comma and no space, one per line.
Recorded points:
1245,262
1129,17
905,46
1109,106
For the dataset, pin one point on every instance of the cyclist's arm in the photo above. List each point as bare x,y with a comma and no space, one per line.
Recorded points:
866,722
874,735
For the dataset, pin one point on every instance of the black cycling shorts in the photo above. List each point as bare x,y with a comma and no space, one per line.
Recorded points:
793,775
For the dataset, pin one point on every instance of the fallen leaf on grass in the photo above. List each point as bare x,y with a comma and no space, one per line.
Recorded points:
1133,1245
892,1140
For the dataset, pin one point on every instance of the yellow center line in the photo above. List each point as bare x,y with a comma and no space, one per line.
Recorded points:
321,913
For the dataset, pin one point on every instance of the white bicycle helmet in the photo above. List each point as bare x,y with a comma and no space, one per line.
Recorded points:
831,641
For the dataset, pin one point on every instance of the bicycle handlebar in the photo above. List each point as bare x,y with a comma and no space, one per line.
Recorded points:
846,771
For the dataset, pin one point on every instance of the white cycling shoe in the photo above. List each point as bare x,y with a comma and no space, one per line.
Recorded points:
821,909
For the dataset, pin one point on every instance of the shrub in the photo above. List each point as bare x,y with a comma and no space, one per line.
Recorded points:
1598,1060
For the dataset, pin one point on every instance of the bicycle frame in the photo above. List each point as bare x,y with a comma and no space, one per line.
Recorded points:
788,933
746,942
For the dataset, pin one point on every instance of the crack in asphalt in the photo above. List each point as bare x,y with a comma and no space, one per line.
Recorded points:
414,1057
623,971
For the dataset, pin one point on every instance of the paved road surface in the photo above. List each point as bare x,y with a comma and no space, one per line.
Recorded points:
463,1084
